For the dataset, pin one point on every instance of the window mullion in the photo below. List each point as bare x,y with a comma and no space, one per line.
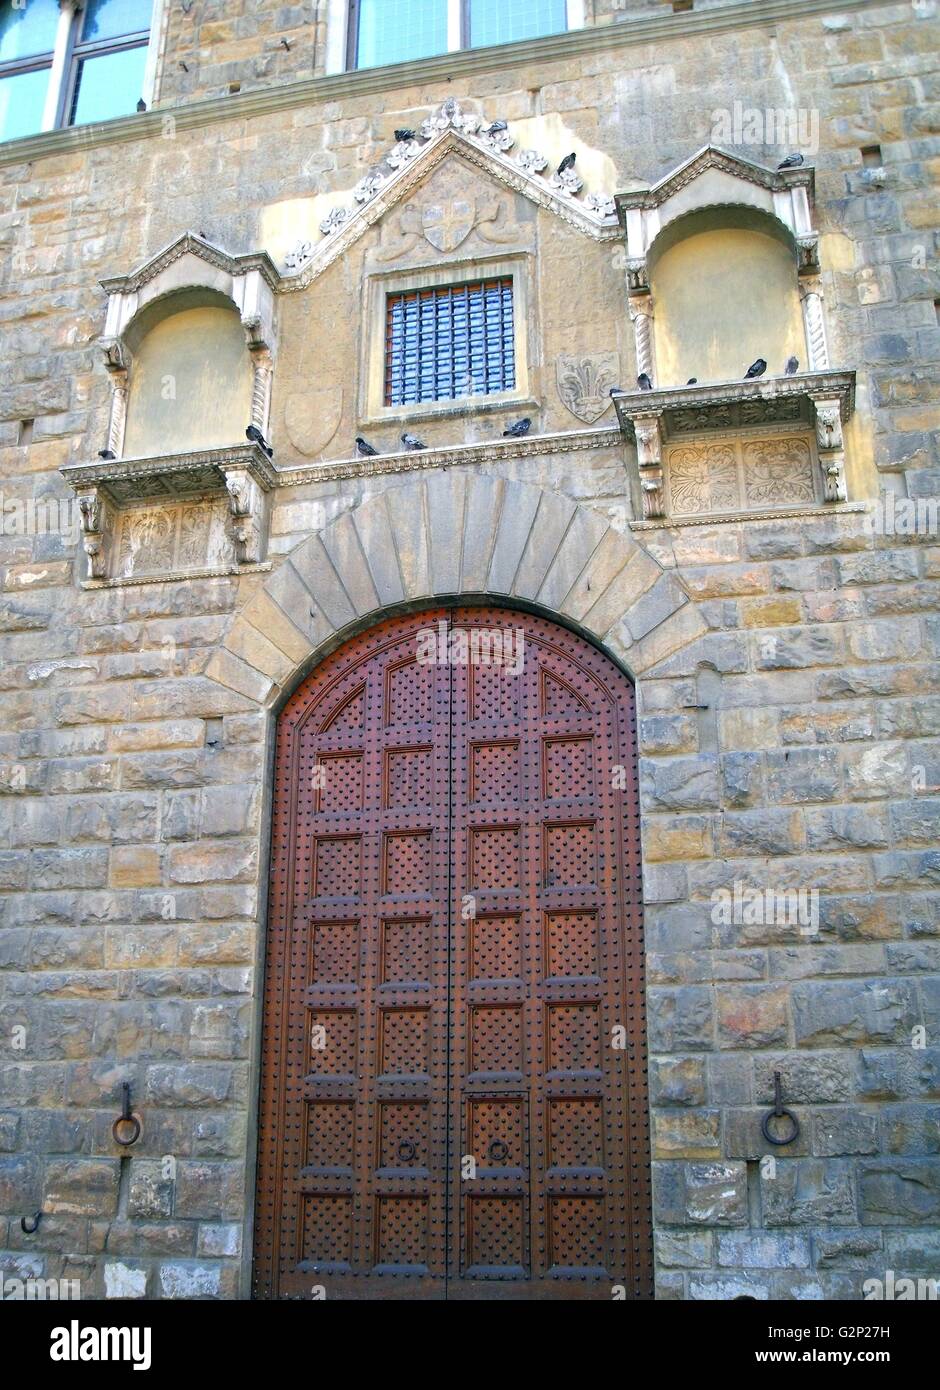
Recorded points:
61,62
455,13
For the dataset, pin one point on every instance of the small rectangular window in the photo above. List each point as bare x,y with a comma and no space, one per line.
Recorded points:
441,344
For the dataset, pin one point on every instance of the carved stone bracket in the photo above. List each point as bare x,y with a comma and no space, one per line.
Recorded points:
829,442
246,504
97,520
649,457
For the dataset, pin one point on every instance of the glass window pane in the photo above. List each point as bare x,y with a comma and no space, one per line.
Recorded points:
394,31
22,98
28,29
441,344
109,85
496,21
108,19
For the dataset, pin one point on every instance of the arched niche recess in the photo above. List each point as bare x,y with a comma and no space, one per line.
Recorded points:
723,268
190,377
725,287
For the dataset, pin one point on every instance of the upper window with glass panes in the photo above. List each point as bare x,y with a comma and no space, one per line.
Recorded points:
67,64
396,31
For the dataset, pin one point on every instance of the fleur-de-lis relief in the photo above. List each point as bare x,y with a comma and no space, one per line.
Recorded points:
567,182
299,256
334,219
500,140
404,151
367,188
602,204
532,161
450,114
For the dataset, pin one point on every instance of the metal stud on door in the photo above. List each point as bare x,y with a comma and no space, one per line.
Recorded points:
454,940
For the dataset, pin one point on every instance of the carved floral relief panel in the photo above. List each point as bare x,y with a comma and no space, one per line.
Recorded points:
172,537
740,474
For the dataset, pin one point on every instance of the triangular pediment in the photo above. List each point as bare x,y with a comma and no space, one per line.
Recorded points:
724,162
191,244
451,133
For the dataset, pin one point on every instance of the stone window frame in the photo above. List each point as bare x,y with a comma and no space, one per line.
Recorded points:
520,265
62,61
340,34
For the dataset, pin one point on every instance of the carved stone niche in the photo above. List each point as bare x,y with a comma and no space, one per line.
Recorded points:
717,179
172,516
739,447
190,266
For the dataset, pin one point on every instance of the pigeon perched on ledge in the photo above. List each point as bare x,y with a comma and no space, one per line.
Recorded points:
757,368
411,441
107,454
792,161
566,164
792,367
644,382
516,431
616,391
494,127
363,449
692,381
256,437
402,135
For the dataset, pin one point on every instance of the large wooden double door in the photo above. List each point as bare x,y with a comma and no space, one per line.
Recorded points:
453,1095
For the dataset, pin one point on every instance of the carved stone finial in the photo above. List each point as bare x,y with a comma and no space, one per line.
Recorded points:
601,203
566,182
333,220
299,256
649,457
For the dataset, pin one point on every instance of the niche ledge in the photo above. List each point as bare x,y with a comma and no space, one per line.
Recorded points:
203,511
807,412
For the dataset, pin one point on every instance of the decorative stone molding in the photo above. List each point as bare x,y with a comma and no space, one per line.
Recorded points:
446,536
243,473
448,131
641,316
820,401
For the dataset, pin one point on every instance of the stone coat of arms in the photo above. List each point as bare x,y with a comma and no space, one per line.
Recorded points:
584,383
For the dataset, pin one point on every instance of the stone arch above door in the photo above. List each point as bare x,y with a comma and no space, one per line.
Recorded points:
447,535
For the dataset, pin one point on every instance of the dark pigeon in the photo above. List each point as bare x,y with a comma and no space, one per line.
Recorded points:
644,382
404,134
692,381
792,161
411,441
141,105
792,367
107,454
256,437
757,368
566,163
493,127
364,450
616,391
519,428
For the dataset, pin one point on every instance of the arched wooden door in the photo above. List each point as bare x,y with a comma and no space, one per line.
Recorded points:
453,1093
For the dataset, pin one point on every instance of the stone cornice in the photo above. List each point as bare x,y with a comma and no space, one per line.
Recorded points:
490,451
191,244
717,397
471,62
179,472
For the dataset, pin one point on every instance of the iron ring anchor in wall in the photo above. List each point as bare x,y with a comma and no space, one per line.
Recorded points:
779,1112
126,1128
30,1225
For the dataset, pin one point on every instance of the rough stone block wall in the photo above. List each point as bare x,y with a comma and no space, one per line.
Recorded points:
134,820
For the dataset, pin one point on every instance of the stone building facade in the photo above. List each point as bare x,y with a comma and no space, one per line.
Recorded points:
759,556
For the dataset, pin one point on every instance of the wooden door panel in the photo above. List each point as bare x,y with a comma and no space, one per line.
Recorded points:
454,935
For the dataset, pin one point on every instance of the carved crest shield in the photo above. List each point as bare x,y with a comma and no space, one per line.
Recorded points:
446,225
584,383
311,418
